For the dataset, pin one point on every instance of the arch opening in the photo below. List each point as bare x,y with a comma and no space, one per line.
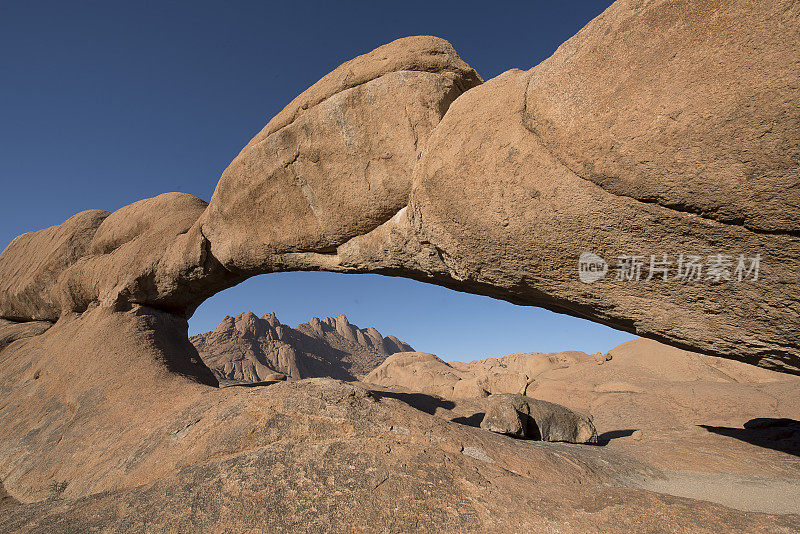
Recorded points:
305,324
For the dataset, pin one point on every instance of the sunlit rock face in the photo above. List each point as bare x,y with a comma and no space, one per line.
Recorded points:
679,178
662,130
252,349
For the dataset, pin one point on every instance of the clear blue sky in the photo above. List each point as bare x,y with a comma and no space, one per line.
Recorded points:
104,103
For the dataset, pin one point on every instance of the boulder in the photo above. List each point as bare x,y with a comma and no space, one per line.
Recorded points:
467,388
523,417
275,377
415,371
505,383
146,253
30,266
136,255
337,161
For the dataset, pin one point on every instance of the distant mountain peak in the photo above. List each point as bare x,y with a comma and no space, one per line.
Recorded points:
247,347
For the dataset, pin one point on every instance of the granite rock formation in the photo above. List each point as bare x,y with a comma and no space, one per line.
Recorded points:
415,371
514,373
523,417
252,349
402,162
661,128
153,451
642,384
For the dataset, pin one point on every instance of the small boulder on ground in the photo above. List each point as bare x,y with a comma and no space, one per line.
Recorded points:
601,358
523,417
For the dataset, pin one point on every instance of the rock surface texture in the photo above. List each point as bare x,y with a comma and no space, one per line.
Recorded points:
402,162
714,429
151,451
523,417
252,349
661,128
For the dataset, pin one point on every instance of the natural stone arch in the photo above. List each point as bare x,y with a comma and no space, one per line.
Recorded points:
499,183
400,162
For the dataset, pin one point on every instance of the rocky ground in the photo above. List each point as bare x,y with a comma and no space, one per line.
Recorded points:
143,450
714,429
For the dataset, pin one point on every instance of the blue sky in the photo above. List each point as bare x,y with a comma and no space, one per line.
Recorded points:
104,103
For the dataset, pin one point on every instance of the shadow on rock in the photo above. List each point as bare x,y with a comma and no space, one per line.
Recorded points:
5,498
473,420
777,434
420,401
223,383
606,437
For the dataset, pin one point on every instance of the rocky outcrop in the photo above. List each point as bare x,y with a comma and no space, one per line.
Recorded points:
252,349
415,371
512,374
694,124
339,333
32,264
523,417
694,153
632,367
150,451
662,128
543,203
336,162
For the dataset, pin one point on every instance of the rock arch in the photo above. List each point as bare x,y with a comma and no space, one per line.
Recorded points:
402,162
658,128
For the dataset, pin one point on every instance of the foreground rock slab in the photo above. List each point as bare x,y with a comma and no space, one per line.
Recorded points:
122,442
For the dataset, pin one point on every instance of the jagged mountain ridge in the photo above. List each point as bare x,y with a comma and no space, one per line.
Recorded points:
251,348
